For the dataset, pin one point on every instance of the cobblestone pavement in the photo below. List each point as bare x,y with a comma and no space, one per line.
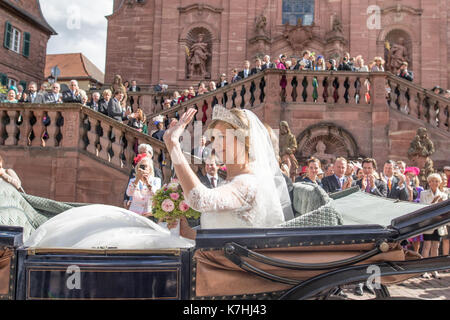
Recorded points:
416,288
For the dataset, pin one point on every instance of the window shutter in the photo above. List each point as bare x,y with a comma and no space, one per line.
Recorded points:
4,79
8,35
26,44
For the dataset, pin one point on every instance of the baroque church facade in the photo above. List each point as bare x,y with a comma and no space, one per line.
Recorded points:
184,41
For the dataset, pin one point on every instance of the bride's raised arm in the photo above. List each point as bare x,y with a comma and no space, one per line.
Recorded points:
234,196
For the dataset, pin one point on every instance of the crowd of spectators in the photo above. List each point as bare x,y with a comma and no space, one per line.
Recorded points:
395,181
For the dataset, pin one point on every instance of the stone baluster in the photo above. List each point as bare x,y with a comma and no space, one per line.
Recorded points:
446,118
129,150
93,137
11,128
38,128
25,128
288,82
353,82
402,98
105,141
413,103
2,126
248,94
52,129
320,88
433,112
342,89
442,116
117,147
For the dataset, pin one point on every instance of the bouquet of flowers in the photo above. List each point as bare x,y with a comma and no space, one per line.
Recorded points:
169,203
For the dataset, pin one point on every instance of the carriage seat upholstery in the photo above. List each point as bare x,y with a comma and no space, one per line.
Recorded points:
313,208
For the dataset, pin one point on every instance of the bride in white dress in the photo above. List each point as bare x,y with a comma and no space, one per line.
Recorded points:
254,195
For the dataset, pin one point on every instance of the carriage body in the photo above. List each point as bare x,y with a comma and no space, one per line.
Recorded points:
277,263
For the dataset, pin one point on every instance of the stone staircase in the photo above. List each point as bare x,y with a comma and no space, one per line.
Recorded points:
68,152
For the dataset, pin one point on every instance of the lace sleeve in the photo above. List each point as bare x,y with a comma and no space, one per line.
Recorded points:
238,195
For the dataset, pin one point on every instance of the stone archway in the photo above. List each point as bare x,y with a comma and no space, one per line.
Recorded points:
327,142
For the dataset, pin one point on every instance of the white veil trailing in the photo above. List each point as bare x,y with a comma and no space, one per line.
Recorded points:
265,167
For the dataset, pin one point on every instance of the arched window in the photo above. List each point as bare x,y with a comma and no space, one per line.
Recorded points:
295,9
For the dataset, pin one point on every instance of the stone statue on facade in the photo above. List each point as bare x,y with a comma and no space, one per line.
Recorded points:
321,154
397,54
260,25
288,147
198,58
419,153
118,86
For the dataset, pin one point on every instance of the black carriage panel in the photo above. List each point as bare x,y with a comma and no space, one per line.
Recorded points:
425,219
293,237
73,275
10,240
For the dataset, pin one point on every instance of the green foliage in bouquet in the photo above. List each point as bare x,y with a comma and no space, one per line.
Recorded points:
169,203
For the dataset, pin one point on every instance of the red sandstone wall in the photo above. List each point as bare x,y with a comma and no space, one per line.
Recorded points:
144,42
15,65
66,176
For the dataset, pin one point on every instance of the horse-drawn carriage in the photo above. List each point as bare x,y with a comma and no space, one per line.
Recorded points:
333,243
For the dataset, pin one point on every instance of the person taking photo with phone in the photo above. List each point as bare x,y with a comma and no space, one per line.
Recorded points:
142,188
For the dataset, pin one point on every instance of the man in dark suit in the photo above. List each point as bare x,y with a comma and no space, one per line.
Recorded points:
94,103
405,73
369,183
159,135
134,88
338,181
267,64
202,152
73,95
395,182
346,65
212,179
235,76
104,102
55,96
246,72
115,109
258,67
306,61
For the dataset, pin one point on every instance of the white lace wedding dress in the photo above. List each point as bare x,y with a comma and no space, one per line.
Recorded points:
257,200
235,204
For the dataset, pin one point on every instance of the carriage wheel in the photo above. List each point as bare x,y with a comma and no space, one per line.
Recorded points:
380,294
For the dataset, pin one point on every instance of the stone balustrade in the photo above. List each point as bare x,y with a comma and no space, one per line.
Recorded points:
73,127
417,102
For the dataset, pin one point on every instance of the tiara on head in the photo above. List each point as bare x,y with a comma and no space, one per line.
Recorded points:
223,114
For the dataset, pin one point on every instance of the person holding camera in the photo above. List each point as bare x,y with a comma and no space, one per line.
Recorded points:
142,188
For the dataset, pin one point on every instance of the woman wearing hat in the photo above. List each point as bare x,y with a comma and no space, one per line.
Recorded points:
11,96
378,66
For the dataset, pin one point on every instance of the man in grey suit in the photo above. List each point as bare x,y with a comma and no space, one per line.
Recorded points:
32,95
202,151
115,109
55,96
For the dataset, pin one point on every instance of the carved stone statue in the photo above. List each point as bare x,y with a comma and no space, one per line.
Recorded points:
288,147
260,25
198,58
419,153
321,154
118,86
397,54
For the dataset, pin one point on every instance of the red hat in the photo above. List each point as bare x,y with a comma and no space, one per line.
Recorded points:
414,170
139,158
